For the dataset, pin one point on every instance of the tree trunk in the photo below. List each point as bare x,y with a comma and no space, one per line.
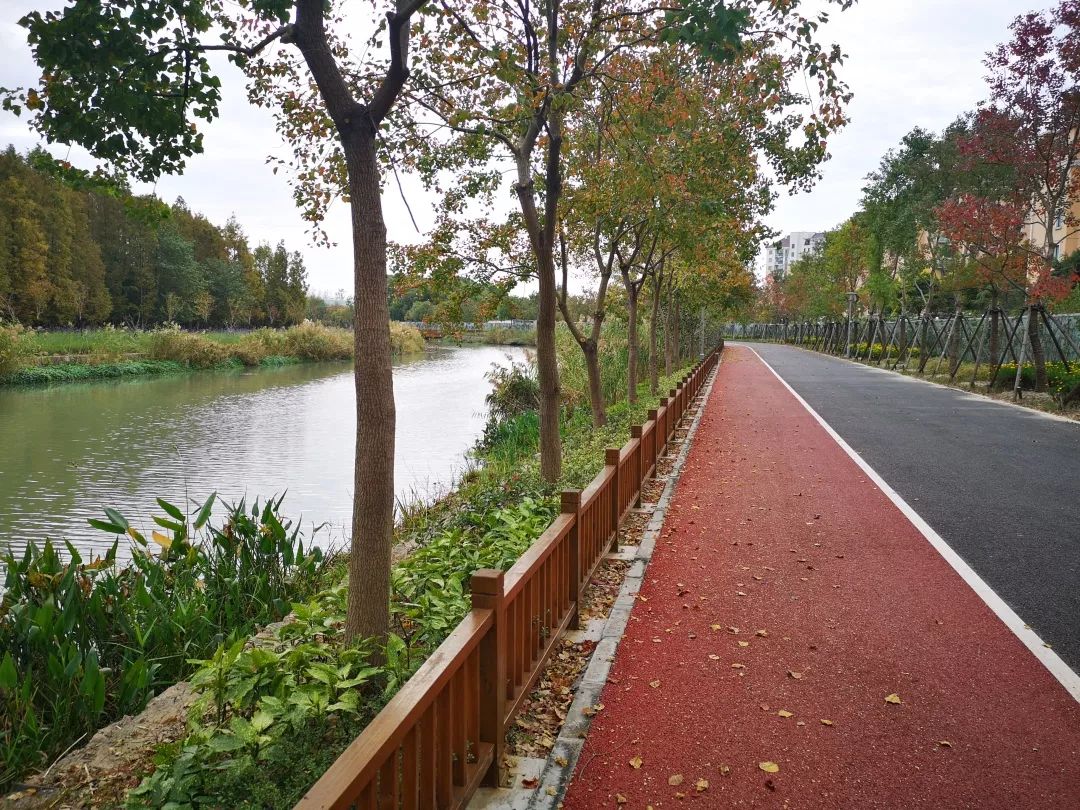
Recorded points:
654,360
632,346
678,332
547,366
954,340
1038,353
373,480
669,343
596,389
995,331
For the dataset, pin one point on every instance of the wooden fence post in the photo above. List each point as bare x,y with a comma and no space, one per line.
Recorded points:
635,433
571,505
487,594
611,458
653,445
665,404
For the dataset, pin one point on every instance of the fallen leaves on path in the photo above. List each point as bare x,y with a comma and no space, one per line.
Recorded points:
635,763
769,767
893,698
675,779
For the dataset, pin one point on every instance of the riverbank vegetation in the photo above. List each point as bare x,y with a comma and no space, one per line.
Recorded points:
86,641
30,357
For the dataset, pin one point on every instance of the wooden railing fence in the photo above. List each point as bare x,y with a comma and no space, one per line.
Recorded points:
441,736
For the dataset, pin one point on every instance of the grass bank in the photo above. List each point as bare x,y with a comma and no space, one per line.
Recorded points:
30,357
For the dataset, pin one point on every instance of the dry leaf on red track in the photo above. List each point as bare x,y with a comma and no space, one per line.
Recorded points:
635,763
675,779
769,767
893,698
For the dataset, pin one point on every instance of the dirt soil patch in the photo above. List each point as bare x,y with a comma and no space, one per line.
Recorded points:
603,590
543,713
633,526
664,466
652,489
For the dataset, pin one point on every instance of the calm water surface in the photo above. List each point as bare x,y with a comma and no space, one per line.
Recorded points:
67,451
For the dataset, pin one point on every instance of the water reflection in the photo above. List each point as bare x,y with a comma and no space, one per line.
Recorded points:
67,451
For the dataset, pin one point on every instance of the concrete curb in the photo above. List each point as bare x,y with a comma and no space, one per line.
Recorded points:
561,763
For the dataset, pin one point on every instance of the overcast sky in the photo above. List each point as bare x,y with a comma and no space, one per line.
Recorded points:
910,63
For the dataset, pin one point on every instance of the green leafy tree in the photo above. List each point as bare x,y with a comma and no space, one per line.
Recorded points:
145,65
180,279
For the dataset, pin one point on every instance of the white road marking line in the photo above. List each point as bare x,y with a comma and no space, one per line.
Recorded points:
1028,637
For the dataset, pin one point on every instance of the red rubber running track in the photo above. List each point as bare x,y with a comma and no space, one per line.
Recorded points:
774,528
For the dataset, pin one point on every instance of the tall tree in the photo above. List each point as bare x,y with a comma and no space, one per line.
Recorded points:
1031,126
144,65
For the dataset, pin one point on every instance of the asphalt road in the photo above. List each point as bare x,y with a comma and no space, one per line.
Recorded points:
1001,485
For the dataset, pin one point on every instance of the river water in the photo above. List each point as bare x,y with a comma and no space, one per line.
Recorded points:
67,451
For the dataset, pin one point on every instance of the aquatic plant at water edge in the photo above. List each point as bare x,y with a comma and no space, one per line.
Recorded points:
88,641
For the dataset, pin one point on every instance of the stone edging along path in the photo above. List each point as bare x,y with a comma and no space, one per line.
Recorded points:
562,761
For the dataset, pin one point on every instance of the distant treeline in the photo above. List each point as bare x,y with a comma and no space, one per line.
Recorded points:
80,252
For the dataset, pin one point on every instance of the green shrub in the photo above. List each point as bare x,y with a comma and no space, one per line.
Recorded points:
1060,381
510,337
82,372
251,349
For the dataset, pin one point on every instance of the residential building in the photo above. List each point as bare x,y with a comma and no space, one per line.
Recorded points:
782,254
1066,234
